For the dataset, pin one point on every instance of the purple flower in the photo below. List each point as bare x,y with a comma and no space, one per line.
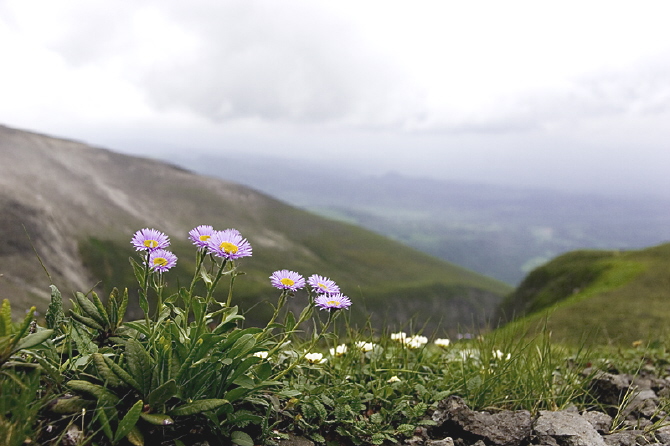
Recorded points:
323,285
229,244
200,234
161,260
287,280
332,301
150,239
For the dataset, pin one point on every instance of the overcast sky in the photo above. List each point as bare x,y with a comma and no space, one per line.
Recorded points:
561,94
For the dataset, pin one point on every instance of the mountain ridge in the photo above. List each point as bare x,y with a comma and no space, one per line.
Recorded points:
77,202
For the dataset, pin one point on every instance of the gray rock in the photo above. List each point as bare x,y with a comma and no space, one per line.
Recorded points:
506,428
610,389
565,429
600,421
626,438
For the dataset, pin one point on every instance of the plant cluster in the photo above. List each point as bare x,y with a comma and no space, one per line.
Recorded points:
190,371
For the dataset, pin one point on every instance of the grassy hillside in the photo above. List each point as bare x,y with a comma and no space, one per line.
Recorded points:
597,296
80,206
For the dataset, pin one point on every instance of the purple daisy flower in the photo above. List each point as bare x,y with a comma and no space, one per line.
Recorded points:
229,244
323,285
149,239
287,280
161,260
200,234
332,301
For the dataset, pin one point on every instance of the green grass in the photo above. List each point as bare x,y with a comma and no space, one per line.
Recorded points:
601,296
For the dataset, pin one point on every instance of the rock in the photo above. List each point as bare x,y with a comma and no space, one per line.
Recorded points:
506,428
610,389
626,438
600,421
565,429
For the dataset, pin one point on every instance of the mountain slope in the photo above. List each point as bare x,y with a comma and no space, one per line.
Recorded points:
80,206
597,296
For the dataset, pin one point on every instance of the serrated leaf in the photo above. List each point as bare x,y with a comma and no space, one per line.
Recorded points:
55,312
198,406
33,339
159,419
241,438
129,421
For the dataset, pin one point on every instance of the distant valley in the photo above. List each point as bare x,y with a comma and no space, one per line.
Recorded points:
501,232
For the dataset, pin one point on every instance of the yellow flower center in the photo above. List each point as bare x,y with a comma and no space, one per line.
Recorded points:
286,281
160,261
322,286
333,303
228,247
204,238
150,243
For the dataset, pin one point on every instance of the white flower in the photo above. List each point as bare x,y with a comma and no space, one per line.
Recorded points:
340,350
416,341
262,354
400,336
393,379
441,342
497,354
365,346
315,358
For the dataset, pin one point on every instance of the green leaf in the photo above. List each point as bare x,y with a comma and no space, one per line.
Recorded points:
135,437
67,405
122,307
129,421
87,321
6,327
159,419
289,322
163,393
101,309
140,364
104,422
82,340
33,339
241,438
121,373
54,314
104,396
198,407
105,372
89,309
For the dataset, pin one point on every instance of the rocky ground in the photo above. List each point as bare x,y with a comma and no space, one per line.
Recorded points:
631,413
